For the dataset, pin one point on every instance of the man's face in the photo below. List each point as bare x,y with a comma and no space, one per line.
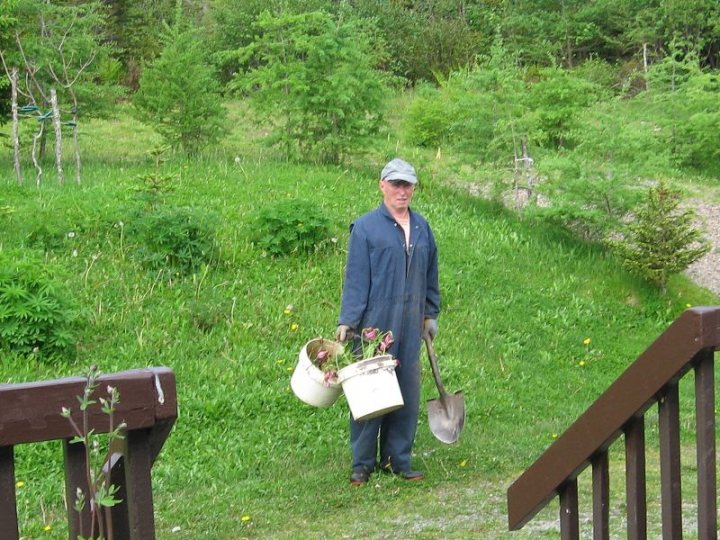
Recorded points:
397,194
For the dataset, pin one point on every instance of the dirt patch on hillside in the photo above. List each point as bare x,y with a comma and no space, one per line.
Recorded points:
706,271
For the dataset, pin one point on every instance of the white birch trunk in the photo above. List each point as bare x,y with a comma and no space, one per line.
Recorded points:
76,144
36,138
58,135
76,141
15,125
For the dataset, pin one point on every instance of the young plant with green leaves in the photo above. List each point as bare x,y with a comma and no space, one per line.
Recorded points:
101,494
662,240
35,317
291,226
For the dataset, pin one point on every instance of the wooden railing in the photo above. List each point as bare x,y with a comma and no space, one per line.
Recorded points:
688,344
31,413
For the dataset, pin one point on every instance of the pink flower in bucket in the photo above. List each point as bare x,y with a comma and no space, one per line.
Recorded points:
385,343
375,342
370,334
321,358
326,356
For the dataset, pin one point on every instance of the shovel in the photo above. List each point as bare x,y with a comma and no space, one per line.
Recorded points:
446,415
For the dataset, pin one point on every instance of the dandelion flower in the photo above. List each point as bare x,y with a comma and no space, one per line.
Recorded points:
688,305
586,341
47,528
288,309
554,435
581,363
245,518
19,484
294,326
463,462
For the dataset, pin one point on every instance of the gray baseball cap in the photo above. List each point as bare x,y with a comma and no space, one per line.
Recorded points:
398,169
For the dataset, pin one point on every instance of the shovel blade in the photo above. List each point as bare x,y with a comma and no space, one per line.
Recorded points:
446,416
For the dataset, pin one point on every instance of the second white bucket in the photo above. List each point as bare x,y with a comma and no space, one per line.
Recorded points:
308,381
371,387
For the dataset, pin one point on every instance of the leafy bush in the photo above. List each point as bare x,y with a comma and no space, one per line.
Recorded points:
428,118
558,100
291,226
584,198
34,317
692,120
178,240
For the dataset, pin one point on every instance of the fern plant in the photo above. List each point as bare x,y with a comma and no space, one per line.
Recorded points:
34,317
176,240
291,226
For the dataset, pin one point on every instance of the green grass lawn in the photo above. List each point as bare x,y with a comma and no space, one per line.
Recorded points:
247,459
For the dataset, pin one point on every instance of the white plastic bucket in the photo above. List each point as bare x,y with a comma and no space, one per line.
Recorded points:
371,387
308,381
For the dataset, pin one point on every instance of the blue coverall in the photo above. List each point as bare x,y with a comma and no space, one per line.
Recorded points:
391,287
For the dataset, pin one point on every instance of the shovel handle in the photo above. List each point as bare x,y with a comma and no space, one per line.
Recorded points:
434,366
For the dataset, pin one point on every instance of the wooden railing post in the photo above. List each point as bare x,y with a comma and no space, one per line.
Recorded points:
119,512
569,519
635,479
706,473
670,474
79,523
8,503
601,496
688,343
138,462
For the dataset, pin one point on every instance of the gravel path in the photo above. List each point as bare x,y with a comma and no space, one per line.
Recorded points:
706,271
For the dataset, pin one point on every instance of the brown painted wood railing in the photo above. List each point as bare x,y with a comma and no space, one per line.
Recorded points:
31,412
688,343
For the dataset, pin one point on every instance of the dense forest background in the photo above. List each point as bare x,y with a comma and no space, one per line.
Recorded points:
582,103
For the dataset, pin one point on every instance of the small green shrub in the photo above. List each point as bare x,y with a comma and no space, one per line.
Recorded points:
177,240
153,185
428,119
662,239
34,317
291,226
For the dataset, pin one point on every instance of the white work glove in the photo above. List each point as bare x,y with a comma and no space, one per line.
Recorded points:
342,333
430,328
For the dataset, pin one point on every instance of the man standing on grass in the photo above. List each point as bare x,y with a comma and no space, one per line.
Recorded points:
391,283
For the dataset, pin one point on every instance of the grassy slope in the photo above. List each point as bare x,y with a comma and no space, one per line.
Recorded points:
519,300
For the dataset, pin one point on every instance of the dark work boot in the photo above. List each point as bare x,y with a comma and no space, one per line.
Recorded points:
360,476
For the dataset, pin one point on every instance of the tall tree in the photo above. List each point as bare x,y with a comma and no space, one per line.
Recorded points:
426,39
232,24
179,93
61,47
7,23
315,83
135,27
